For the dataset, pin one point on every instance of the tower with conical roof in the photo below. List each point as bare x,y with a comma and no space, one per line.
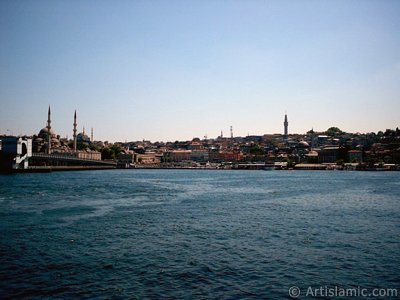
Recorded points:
48,131
75,131
285,124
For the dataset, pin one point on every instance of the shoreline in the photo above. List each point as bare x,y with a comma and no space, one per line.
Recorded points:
91,168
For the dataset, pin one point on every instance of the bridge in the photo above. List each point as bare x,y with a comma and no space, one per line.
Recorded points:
42,159
16,155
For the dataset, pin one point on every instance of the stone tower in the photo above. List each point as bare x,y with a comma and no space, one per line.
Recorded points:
285,124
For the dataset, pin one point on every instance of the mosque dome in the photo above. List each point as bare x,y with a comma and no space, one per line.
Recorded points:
304,144
44,131
82,137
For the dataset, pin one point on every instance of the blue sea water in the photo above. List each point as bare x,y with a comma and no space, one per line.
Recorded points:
196,234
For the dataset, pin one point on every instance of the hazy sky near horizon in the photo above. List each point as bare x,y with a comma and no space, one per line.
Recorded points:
174,70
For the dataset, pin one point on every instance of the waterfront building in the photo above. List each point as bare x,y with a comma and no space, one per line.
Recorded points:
355,155
225,156
311,157
179,155
328,155
199,155
148,158
88,154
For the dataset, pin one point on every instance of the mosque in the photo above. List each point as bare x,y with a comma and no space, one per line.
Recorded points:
47,141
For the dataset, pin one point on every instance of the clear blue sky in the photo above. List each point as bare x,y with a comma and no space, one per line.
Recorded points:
174,70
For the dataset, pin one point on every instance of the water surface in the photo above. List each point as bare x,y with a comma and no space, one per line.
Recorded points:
196,234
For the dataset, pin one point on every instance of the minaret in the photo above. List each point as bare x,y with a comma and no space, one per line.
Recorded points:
285,124
312,138
91,136
48,131
83,131
231,133
74,131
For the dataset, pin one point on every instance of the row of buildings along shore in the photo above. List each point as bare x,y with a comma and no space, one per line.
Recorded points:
331,149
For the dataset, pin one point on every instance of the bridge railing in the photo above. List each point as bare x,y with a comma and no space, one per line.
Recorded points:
70,158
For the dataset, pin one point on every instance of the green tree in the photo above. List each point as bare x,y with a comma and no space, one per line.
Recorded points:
107,153
334,131
256,150
340,162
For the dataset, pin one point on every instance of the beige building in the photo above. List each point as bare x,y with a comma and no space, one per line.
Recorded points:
179,155
89,154
147,158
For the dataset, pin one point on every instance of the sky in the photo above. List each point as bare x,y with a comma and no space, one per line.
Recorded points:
175,70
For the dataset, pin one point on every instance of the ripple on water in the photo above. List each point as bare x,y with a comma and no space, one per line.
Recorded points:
196,234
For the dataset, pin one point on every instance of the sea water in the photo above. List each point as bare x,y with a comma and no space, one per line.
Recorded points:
196,234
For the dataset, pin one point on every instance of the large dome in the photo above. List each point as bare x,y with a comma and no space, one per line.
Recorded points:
44,131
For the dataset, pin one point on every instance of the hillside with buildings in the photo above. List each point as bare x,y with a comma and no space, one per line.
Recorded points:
331,149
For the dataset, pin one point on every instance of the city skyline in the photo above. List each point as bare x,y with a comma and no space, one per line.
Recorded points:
178,70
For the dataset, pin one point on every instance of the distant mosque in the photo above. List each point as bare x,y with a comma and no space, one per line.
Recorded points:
47,141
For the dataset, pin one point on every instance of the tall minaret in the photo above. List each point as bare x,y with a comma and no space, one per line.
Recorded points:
312,138
75,131
91,136
285,124
48,131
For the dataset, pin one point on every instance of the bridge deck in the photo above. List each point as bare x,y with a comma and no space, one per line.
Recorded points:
70,158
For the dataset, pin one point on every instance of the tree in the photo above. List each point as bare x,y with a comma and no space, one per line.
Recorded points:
390,132
106,153
256,150
334,131
340,162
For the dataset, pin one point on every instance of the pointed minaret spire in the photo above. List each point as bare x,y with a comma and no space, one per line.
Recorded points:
91,136
285,124
74,131
49,118
48,131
